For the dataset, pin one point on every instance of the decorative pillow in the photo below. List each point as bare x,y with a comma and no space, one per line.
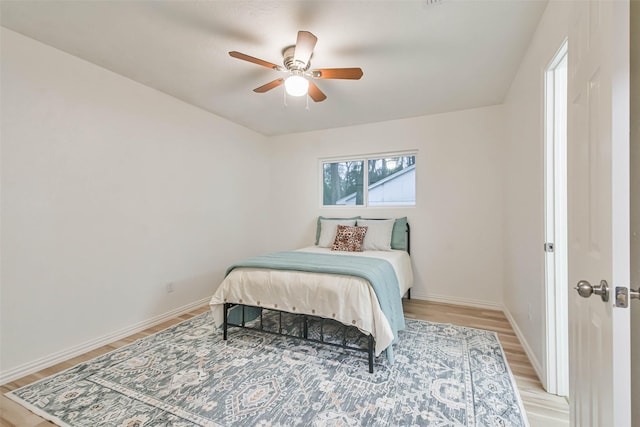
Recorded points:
378,237
399,235
319,227
328,230
349,238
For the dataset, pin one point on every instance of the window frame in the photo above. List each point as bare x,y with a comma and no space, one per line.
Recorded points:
365,187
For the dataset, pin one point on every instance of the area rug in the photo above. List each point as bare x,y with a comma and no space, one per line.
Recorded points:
186,375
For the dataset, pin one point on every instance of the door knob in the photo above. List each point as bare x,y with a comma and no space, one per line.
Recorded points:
585,289
634,293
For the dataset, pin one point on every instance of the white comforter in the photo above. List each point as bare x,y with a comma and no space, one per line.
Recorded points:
348,299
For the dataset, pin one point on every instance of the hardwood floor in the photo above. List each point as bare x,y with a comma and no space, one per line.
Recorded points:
543,409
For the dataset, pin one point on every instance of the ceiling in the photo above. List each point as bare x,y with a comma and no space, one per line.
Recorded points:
419,57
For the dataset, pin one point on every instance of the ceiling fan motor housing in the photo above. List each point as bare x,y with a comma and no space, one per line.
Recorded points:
292,65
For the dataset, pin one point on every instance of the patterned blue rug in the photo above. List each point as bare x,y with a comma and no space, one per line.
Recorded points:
187,375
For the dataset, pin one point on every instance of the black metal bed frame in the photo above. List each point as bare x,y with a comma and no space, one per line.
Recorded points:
304,332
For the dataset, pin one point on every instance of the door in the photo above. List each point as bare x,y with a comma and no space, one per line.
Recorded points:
598,212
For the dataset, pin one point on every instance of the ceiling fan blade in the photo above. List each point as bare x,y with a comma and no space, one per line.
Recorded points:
254,60
304,47
269,86
337,73
315,93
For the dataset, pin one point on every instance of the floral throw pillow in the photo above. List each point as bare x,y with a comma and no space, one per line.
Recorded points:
349,238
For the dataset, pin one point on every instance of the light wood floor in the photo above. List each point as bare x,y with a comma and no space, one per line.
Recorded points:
543,409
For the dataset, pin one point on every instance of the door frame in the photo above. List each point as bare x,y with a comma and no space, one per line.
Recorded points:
555,214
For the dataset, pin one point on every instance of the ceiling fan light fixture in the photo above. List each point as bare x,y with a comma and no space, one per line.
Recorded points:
296,85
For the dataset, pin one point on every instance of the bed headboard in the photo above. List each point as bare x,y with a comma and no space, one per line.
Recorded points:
408,239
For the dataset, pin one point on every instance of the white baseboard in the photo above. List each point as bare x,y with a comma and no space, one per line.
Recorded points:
537,366
45,362
456,301
60,356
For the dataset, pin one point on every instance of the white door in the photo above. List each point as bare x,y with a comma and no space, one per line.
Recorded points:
598,212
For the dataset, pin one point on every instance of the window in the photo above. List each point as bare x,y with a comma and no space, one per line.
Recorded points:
391,181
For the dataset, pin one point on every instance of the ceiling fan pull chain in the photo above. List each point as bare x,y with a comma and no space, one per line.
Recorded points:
307,97
284,93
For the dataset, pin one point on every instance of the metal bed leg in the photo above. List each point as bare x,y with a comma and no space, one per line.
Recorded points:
305,332
370,354
224,322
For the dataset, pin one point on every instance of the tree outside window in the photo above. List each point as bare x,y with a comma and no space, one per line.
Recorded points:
390,182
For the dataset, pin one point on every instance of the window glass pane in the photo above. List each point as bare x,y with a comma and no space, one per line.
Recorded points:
343,183
392,181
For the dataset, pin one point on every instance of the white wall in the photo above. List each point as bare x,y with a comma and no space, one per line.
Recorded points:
456,238
111,190
524,196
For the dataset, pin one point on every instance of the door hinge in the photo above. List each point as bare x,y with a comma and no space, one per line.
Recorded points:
549,247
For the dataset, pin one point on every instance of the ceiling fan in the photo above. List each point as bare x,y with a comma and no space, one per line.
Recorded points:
296,60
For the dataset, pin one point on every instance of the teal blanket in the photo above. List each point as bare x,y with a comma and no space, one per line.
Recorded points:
378,272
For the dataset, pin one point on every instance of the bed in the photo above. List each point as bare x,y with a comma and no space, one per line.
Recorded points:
359,286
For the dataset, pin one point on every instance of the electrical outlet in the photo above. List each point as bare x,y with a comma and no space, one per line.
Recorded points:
170,287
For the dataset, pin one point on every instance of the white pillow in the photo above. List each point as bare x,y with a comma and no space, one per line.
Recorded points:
329,229
378,237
